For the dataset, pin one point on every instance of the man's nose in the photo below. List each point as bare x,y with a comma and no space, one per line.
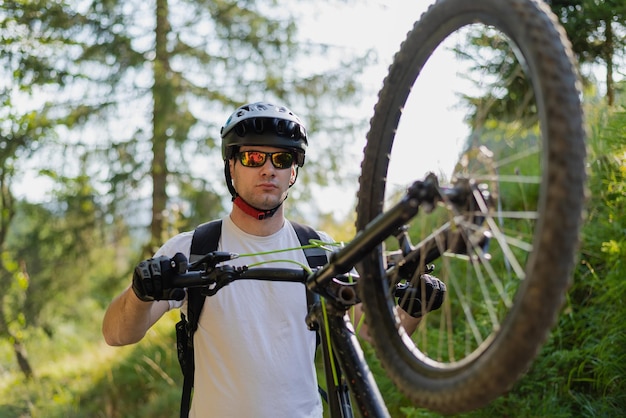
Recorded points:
268,166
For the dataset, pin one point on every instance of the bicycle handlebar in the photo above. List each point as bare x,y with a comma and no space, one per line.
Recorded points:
215,278
327,280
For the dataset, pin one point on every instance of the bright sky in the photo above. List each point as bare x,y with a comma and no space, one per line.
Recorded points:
383,25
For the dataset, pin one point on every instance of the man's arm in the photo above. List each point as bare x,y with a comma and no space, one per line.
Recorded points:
128,318
408,322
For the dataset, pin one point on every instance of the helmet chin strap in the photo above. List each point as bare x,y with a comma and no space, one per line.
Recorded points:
259,214
247,208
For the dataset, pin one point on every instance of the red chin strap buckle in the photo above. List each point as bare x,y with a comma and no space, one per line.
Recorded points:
252,211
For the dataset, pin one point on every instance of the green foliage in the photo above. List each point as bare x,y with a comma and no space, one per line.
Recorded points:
596,299
596,30
585,22
580,371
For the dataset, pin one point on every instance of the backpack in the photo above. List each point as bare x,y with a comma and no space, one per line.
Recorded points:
205,240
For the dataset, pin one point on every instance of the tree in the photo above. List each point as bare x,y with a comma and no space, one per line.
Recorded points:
596,29
18,135
56,258
151,79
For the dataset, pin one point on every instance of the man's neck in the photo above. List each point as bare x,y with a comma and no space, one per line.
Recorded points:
253,226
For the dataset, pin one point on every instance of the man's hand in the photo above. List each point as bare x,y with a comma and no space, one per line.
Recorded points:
410,295
152,278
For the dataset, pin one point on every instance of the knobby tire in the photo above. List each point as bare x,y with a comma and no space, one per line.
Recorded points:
498,361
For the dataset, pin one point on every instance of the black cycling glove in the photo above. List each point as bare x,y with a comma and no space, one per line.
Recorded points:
410,295
152,279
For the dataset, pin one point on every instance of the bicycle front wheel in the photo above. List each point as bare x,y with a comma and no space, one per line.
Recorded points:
485,95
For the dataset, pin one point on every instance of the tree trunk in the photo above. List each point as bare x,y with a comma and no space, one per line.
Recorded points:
8,211
163,102
20,351
22,358
608,52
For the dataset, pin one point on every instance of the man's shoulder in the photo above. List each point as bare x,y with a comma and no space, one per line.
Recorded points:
180,243
209,224
323,235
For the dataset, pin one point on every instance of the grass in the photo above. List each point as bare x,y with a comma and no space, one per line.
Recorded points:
95,380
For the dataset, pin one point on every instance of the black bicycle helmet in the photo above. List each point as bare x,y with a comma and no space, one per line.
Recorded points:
263,123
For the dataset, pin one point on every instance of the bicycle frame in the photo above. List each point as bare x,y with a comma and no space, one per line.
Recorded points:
338,340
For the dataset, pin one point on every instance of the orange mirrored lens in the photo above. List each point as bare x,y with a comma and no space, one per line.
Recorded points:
280,160
252,158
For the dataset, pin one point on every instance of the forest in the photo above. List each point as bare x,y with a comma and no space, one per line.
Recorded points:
109,144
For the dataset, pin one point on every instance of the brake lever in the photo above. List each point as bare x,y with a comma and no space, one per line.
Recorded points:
219,277
212,259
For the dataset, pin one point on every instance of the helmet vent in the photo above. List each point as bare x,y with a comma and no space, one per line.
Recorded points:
240,129
280,126
258,125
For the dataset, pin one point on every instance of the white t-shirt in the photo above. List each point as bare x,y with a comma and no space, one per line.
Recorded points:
254,355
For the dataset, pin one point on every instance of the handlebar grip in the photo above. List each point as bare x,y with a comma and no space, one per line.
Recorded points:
213,279
275,274
189,279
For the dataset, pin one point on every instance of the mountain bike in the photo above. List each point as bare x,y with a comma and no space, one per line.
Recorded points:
495,214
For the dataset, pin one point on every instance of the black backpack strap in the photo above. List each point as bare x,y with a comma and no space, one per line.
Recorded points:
205,240
315,257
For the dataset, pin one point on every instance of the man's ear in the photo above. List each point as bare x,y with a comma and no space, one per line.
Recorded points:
231,166
294,175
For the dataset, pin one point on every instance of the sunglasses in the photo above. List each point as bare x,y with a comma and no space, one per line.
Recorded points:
280,160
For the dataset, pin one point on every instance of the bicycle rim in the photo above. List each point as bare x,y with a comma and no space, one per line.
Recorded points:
520,145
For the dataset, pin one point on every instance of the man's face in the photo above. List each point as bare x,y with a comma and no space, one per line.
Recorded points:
263,187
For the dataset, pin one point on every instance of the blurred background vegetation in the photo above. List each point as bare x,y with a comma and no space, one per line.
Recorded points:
115,106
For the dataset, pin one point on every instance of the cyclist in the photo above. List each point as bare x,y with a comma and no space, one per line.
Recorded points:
254,355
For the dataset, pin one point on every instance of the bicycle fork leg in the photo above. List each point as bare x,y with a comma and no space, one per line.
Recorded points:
337,396
347,351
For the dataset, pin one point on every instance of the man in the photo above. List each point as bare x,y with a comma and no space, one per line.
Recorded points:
254,355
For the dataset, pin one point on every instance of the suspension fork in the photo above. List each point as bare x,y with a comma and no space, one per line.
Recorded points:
340,346
421,193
